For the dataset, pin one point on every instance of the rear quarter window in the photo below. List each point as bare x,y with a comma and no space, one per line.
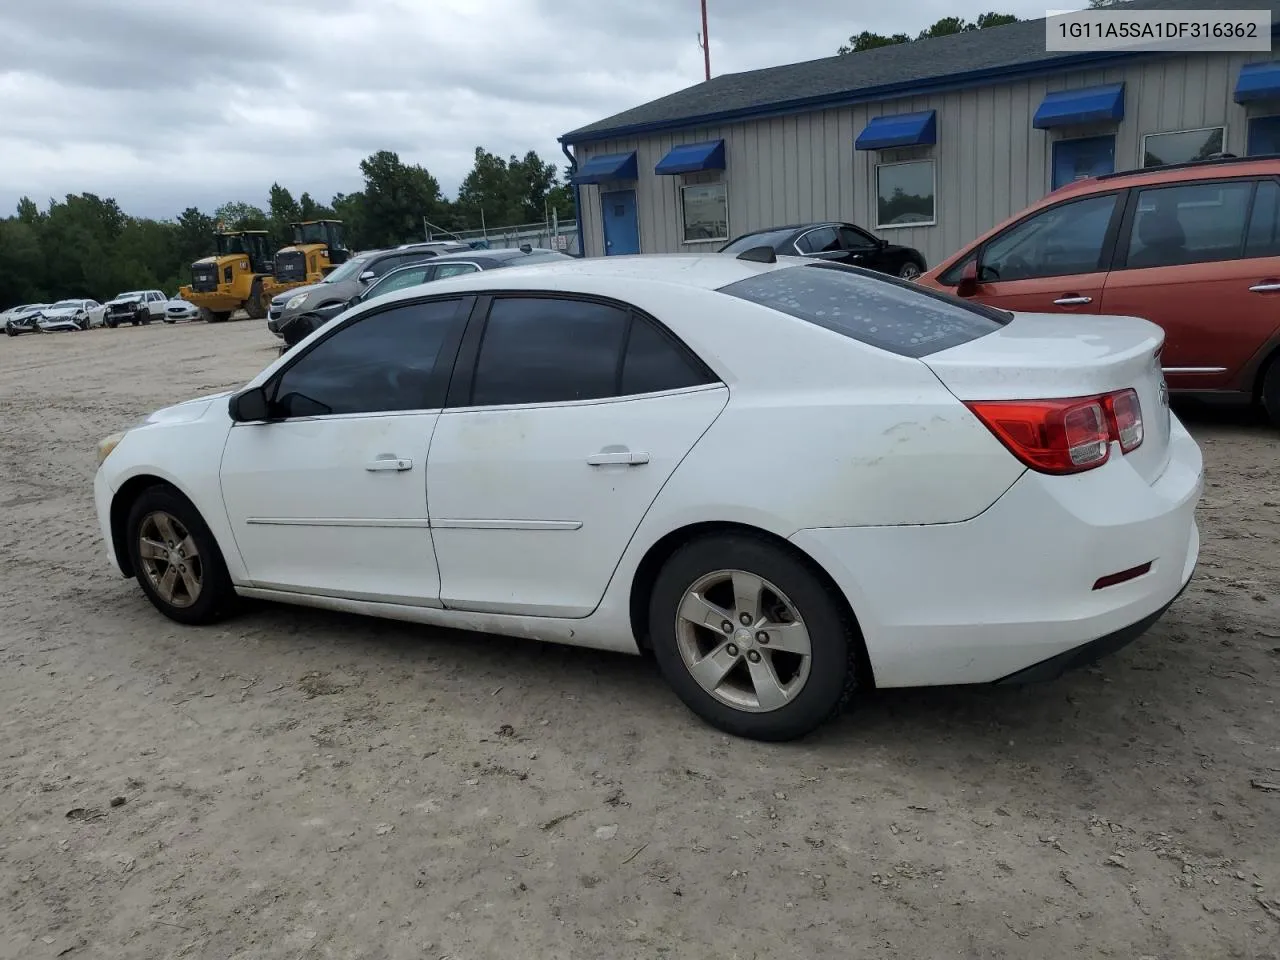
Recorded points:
894,315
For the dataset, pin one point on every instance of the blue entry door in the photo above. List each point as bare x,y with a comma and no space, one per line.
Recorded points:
621,231
1087,157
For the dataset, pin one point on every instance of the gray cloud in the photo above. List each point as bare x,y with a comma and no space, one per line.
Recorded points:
167,103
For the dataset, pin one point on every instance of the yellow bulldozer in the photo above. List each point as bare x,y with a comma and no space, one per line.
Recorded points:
317,248
238,276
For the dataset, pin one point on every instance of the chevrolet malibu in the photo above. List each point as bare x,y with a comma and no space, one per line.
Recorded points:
791,481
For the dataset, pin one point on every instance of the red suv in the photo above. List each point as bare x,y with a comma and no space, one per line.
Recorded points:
1192,247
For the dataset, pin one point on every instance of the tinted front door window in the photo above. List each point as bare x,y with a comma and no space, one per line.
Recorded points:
383,362
855,240
1063,240
544,350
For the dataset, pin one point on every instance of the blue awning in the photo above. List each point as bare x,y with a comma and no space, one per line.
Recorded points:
611,166
1258,81
902,130
692,158
1064,108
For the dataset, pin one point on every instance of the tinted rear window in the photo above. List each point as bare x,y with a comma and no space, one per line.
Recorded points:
894,315
770,238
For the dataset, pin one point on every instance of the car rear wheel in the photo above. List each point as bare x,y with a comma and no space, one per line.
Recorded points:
1271,391
751,639
176,559
909,271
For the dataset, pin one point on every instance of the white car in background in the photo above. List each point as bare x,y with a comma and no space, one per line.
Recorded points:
792,481
71,315
23,319
177,309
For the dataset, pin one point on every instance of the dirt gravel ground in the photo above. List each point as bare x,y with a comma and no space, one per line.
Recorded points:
299,784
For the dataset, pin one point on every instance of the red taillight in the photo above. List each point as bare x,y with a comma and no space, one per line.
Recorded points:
1064,436
1125,412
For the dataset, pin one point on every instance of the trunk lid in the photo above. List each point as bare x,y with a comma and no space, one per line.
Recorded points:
1044,356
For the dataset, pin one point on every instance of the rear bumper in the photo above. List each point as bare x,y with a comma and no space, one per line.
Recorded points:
1087,653
1012,589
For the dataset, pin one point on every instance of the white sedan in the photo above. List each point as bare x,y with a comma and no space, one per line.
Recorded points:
791,481
71,315
178,310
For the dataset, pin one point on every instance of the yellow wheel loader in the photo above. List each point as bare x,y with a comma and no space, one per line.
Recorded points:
238,276
317,248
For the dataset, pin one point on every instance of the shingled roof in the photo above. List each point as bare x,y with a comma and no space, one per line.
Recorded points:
881,73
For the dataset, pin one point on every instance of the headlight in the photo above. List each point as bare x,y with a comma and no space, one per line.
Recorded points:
107,444
295,302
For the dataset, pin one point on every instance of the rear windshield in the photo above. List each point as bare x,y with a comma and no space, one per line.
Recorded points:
894,315
770,238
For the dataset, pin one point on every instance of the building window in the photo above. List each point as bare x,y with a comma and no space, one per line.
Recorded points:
704,208
906,194
1079,159
1182,146
1264,136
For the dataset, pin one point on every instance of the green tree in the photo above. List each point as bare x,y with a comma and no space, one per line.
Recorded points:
945,27
395,198
866,40
283,211
238,215
517,190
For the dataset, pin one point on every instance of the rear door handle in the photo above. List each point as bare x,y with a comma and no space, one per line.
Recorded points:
617,456
1072,300
1266,286
389,463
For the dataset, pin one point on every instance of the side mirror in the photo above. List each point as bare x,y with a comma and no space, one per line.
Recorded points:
968,284
250,406
368,276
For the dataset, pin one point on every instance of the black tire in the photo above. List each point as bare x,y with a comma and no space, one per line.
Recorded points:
834,669
254,306
216,597
1271,390
909,270
9,331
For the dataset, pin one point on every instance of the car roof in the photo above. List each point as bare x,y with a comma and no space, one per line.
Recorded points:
1173,173
704,272
798,226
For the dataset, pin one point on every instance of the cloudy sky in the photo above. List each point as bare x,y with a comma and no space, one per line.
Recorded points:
167,103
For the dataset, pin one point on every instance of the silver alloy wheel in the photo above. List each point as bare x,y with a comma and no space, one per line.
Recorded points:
909,271
170,559
742,640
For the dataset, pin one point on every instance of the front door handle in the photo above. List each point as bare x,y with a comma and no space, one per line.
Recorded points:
1073,300
389,463
1266,286
626,457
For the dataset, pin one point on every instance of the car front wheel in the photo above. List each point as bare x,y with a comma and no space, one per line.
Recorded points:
751,639
909,271
176,559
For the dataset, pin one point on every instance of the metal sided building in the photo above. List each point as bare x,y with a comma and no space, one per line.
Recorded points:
926,143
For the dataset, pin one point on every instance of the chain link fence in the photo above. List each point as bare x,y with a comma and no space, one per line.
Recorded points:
551,235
